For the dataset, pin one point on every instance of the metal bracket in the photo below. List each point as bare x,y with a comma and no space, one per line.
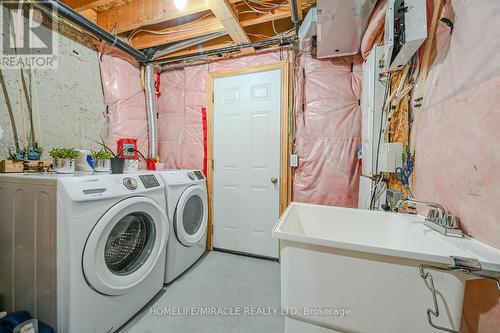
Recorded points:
468,266
431,312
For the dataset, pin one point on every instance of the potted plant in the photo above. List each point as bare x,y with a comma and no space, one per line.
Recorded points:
64,159
102,160
117,162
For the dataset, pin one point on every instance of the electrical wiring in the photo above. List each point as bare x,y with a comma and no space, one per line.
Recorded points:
376,192
274,28
167,32
255,9
269,4
265,37
395,99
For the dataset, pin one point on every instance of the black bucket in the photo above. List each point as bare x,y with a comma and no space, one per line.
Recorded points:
117,165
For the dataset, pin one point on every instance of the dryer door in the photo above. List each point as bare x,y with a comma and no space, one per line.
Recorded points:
125,245
191,216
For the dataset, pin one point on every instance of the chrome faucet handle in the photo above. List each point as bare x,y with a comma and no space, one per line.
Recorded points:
451,221
434,215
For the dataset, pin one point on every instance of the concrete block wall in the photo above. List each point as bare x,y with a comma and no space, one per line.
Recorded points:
72,112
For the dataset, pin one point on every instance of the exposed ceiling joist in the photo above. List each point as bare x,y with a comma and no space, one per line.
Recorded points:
81,5
230,22
90,15
146,12
200,28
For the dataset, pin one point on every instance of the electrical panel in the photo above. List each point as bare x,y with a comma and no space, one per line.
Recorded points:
372,103
405,31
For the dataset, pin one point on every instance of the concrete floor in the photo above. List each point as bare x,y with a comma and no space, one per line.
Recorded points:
241,292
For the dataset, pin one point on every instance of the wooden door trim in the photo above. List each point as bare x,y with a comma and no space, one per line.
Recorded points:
285,178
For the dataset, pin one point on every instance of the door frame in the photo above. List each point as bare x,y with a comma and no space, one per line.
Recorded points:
285,134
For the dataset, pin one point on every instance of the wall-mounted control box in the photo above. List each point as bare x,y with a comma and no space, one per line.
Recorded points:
390,157
405,31
294,160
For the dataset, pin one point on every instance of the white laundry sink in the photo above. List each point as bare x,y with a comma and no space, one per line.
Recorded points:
351,270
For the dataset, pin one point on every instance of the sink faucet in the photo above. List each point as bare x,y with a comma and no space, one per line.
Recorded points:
437,218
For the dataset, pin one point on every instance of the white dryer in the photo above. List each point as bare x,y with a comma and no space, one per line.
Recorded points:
92,247
187,210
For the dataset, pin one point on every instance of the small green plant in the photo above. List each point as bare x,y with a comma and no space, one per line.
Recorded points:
64,153
102,155
106,148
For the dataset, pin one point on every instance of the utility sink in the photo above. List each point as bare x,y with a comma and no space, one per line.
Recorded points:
352,270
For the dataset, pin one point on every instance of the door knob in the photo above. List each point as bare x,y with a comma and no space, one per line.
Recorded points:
274,180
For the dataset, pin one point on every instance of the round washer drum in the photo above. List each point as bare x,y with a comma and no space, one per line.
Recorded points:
124,245
191,216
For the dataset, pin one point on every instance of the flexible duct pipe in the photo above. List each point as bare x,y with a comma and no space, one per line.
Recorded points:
308,30
69,14
149,83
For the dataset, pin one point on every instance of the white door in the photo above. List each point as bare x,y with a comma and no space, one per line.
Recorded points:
246,156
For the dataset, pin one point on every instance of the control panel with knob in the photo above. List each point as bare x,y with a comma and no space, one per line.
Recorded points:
191,175
130,183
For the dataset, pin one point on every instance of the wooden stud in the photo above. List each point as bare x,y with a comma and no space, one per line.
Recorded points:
90,15
299,9
429,46
224,13
284,135
424,70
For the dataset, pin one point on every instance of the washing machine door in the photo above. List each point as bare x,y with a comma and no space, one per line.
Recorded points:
125,245
191,216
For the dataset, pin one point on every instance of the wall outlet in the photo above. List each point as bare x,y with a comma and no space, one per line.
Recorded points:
294,160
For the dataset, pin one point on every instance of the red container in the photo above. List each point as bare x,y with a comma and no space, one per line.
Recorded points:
125,143
150,164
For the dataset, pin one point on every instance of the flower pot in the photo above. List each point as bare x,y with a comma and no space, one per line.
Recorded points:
64,165
102,165
131,165
117,164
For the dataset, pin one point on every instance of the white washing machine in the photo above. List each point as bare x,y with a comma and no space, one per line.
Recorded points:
187,210
85,252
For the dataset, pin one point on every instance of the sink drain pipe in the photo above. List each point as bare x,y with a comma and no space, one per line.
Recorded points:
149,86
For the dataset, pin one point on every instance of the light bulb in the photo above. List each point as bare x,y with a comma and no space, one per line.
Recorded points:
180,4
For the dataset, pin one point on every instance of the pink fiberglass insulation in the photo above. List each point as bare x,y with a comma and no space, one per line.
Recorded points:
460,122
374,33
457,138
328,130
124,97
183,95
180,132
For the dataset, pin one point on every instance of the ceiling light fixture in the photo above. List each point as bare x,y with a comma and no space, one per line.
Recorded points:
180,4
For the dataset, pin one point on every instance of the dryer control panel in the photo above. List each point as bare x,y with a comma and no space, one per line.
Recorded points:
149,181
199,174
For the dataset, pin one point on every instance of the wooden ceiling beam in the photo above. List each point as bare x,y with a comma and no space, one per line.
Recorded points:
142,13
90,15
81,5
229,20
200,28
